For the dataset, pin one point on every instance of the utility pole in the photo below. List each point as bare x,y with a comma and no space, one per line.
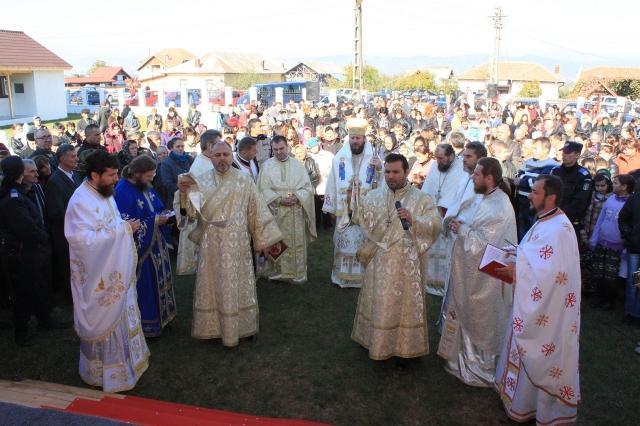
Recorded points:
357,68
497,26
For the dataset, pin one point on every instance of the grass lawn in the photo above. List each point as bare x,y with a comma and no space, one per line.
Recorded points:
304,364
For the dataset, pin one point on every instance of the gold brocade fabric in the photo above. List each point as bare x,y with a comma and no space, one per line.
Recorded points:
279,179
391,317
232,214
477,305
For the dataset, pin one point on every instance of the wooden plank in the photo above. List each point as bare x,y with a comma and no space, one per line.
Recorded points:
34,401
79,392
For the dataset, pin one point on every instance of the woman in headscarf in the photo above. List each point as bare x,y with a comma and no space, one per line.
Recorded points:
113,138
128,152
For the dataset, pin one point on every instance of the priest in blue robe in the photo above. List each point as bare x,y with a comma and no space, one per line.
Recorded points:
137,200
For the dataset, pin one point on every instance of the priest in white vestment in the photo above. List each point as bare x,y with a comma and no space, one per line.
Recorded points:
231,214
444,183
103,260
537,375
286,188
464,209
478,305
391,317
187,259
354,173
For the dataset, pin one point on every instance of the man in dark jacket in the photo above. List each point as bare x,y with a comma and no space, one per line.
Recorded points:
629,225
85,120
577,184
21,234
44,141
103,116
60,187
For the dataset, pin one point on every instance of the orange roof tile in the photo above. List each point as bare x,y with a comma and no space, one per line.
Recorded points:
18,50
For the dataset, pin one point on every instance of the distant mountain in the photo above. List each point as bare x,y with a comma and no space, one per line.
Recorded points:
569,66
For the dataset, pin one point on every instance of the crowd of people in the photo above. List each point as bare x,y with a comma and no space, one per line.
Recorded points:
415,193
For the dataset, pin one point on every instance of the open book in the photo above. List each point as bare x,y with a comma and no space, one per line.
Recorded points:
493,259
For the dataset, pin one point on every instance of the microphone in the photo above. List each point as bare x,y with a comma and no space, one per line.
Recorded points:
405,224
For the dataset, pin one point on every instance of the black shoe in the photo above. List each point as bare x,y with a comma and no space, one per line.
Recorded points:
52,324
251,339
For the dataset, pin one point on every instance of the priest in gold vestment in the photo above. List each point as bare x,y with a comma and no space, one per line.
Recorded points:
391,317
477,304
285,185
230,213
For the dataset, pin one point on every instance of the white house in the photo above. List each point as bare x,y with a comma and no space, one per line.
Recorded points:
511,77
31,80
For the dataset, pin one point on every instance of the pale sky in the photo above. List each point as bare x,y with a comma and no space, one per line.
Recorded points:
124,32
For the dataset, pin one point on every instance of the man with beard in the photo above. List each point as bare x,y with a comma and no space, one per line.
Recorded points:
286,187
230,213
477,305
537,374
400,223
137,200
354,172
445,180
102,252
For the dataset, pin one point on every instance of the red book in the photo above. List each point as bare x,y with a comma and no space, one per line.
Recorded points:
494,258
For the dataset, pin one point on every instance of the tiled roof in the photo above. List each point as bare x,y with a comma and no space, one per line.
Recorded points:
516,71
229,63
169,57
99,75
610,73
18,50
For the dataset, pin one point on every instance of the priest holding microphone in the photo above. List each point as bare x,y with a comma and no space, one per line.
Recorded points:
400,223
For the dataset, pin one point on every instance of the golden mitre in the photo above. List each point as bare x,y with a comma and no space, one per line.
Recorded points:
357,126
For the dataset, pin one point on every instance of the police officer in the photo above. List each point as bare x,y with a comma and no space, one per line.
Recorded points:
21,234
577,184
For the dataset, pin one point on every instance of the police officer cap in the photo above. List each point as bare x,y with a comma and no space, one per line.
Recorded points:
571,146
12,168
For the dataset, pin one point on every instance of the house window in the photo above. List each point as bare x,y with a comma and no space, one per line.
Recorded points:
18,87
4,88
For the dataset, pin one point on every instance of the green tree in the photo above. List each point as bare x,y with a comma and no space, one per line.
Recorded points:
371,76
569,90
530,89
245,80
417,80
630,88
334,83
97,64
449,86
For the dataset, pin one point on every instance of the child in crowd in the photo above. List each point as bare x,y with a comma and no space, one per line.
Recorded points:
607,244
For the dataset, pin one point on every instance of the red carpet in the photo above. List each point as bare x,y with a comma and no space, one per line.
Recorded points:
151,412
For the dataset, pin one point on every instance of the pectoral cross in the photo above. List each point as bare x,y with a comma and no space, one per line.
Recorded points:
438,196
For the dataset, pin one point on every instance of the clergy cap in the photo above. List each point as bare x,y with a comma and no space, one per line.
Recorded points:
357,126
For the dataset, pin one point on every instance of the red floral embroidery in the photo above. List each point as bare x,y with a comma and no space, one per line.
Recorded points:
542,320
536,294
521,351
518,324
511,383
566,392
562,278
555,372
546,252
570,300
547,349
574,328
